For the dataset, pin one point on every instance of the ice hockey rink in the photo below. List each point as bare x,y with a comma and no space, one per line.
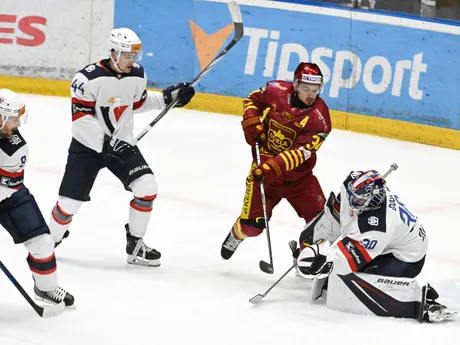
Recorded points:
201,161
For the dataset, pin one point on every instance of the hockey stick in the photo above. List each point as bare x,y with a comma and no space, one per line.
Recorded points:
239,30
52,310
393,167
265,266
257,298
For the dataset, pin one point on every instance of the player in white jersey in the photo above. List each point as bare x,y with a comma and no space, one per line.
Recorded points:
19,212
105,96
375,237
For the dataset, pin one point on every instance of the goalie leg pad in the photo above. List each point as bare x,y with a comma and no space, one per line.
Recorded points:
368,294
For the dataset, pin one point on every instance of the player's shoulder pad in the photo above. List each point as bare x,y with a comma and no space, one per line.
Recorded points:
136,71
12,144
94,71
321,102
373,220
278,86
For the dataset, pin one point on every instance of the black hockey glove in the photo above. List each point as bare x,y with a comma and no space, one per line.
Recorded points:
117,148
181,92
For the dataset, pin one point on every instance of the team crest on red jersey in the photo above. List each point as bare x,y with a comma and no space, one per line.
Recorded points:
280,138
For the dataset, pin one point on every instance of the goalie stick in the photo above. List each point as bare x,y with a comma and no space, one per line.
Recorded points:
393,167
235,12
257,298
48,311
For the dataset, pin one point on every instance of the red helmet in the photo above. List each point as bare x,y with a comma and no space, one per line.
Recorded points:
308,72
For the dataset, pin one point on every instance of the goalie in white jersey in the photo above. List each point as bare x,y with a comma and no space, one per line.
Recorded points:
19,212
105,96
379,248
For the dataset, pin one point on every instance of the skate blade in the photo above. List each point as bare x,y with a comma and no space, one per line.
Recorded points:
133,260
54,310
49,303
439,317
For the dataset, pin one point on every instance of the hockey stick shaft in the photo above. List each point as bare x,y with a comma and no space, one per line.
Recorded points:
39,310
393,167
239,30
264,266
257,298
281,278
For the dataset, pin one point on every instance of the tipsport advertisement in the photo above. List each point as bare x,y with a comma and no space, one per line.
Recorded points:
392,71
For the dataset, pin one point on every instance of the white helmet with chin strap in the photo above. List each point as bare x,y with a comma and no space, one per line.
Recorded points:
11,106
124,40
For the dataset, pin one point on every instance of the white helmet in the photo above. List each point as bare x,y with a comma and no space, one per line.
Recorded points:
11,105
124,40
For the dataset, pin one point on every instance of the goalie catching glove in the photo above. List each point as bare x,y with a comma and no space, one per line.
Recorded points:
315,261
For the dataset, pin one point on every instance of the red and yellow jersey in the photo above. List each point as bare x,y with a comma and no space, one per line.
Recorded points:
289,130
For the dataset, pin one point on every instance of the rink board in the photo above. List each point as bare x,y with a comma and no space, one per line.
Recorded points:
385,68
382,74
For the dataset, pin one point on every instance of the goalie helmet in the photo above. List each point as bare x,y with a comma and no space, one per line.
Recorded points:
309,73
12,108
124,40
366,191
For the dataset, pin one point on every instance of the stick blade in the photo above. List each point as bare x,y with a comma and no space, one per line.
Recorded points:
266,267
51,311
235,12
256,299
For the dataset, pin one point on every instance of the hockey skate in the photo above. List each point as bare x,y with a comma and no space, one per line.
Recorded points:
139,253
55,297
430,310
229,246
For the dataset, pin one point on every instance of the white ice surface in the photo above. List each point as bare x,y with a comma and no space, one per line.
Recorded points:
201,161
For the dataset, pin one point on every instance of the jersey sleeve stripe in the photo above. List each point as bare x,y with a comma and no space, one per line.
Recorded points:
82,108
355,253
78,115
76,100
138,104
11,174
348,256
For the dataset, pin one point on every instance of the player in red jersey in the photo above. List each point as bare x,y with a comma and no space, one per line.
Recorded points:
290,121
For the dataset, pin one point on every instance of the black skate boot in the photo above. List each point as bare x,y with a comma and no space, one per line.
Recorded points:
55,297
432,311
139,253
229,246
